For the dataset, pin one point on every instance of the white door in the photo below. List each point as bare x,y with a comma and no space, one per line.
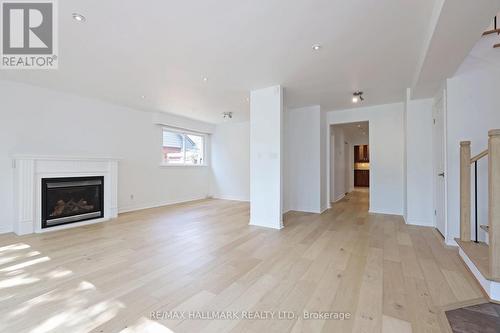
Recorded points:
439,165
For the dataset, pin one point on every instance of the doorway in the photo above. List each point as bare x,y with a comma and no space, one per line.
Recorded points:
349,159
438,133
362,166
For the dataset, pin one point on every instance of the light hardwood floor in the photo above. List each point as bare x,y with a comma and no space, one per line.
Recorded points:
203,256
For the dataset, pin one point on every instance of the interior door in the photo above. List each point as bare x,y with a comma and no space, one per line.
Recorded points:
439,165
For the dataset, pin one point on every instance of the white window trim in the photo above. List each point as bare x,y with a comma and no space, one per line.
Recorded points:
184,132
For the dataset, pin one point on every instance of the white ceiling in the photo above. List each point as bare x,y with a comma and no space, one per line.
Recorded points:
483,56
458,27
163,49
355,132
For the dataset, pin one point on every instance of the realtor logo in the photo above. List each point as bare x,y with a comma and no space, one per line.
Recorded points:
29,39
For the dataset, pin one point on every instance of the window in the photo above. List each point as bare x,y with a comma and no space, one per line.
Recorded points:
183,148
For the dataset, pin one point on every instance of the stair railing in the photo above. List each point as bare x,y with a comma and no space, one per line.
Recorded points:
474,161
493,226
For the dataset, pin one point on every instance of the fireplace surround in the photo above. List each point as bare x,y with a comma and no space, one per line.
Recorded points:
30,174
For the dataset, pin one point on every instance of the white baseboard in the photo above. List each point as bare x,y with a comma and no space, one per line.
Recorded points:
231,198
384,212
340,197
24,228
305,210
423,223
451,242
133,208
6,230
266,225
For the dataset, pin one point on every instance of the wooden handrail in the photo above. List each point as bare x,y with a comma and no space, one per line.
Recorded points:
492,31
479,156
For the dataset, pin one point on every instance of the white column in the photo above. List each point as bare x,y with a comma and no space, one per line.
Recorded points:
266,146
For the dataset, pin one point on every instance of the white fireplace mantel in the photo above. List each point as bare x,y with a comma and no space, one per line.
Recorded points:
31,169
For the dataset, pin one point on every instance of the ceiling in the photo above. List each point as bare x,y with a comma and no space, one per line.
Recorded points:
162,49
355,132
457,27
483,56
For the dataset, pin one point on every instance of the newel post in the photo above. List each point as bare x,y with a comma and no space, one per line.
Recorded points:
494,201
465,209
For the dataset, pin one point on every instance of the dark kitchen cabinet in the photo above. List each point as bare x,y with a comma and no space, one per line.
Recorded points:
361,154
362,178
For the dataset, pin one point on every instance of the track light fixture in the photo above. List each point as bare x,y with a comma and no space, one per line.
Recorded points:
79,17
227,116
357,96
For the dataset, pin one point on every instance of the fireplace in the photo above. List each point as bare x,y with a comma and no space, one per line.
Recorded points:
71,200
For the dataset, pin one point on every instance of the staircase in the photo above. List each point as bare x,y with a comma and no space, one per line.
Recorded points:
483,259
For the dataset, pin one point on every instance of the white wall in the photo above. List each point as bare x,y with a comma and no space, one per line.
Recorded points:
324,171
473,108
302,167
230,161
39,121
419,163
405,154
331,164
386,139
266,154
338,159
172,120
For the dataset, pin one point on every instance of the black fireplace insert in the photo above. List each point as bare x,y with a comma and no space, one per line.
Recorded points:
71,200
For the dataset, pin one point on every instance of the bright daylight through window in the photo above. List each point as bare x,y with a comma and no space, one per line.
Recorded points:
183,148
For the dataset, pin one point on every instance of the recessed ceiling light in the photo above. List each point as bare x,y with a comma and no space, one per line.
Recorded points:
79,17
143,97
205,79
316,47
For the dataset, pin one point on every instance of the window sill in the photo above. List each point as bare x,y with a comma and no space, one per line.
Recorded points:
183,165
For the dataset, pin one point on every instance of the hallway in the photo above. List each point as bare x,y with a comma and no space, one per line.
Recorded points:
397,277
